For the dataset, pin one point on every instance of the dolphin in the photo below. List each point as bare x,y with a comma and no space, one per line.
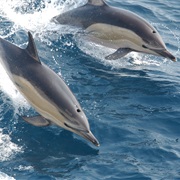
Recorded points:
116,28
44,90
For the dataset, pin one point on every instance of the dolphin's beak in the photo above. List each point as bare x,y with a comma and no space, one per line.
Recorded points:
166,54
90,137
87,134
162,52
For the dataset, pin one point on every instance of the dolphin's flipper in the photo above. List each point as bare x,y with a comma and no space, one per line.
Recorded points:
121,52
37,121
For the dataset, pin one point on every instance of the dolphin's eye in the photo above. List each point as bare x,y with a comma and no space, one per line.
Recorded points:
78,110
154,32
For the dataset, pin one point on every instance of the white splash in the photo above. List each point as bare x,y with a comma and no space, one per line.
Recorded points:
100,52
7,148
7,86
4,176
25,168
30,18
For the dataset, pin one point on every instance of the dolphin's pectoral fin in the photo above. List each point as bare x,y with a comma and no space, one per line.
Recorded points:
36,121
121,52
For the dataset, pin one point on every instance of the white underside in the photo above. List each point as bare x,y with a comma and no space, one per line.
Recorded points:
36,98
115,37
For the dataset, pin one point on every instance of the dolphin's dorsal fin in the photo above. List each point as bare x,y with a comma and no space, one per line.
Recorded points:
31,48
96,2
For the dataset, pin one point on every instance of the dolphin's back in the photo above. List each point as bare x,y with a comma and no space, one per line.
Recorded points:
48,82
13,57
74,17
89,14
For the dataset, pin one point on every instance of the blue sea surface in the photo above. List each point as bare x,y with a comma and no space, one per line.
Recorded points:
132,104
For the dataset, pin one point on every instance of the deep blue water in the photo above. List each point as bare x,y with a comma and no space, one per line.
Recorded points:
133,104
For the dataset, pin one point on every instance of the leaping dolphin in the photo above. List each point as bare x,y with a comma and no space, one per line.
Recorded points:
116,28
44,90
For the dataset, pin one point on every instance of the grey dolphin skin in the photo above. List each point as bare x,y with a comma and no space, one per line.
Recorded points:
116,28
44,90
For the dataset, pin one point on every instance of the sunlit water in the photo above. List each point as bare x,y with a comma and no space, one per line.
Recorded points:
133,104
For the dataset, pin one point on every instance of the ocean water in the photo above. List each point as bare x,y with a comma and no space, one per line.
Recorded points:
133,104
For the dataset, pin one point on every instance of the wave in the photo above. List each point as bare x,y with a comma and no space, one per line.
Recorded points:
4,176
7,148
34,15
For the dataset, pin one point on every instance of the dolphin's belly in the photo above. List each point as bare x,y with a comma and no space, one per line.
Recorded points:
38,99
113,36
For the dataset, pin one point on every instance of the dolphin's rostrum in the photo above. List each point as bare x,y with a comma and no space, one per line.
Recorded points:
44,90
116,28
